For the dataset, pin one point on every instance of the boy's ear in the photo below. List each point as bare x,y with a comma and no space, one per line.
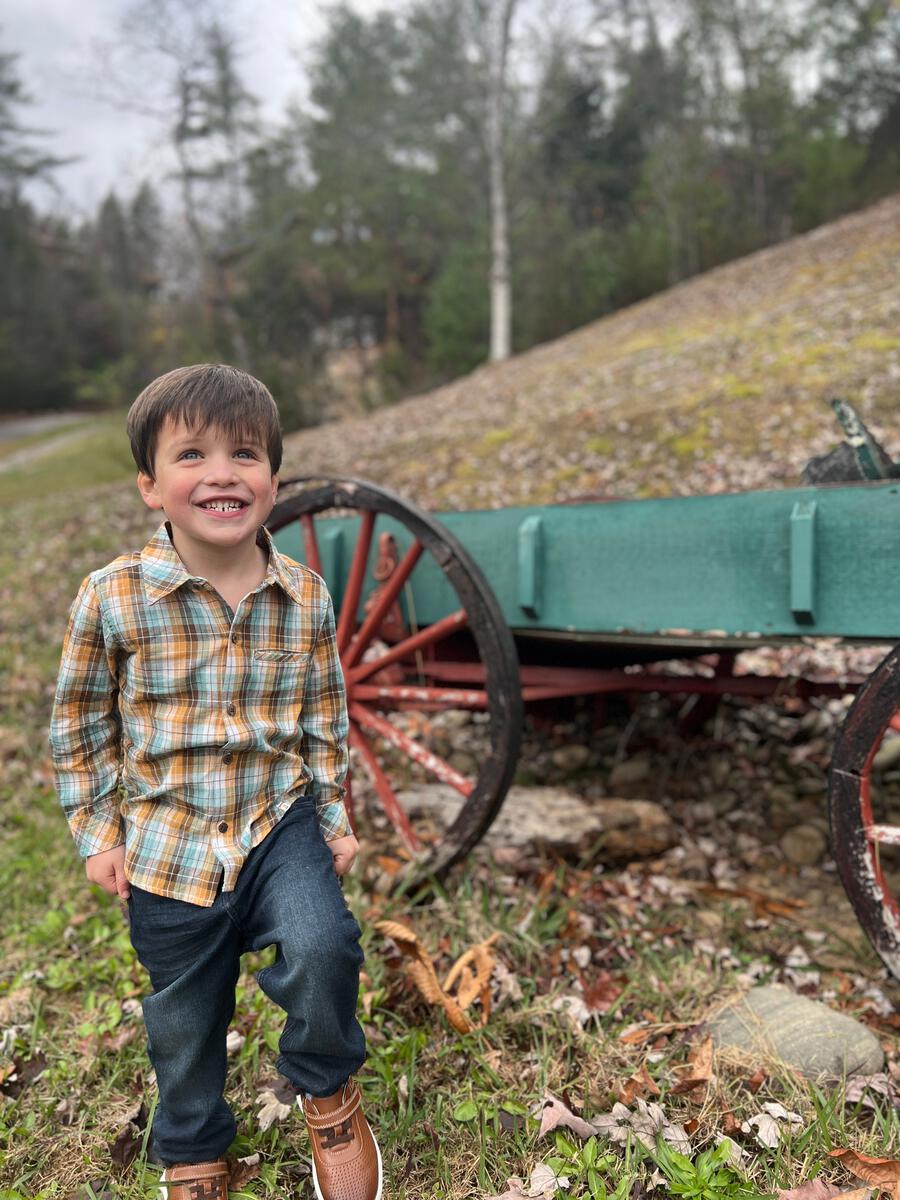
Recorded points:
274,488
149,492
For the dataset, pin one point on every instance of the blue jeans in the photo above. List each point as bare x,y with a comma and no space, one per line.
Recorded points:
286,895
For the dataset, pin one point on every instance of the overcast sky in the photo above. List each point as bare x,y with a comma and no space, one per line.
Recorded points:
60,63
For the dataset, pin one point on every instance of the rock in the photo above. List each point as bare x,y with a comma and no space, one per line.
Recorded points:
570,758
464,762
618,830
724,802
774,1022
632,770
780,797
812,787
804,845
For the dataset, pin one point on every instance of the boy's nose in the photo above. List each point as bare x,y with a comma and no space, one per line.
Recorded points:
220,470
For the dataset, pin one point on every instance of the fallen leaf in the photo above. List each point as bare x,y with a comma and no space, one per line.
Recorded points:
600,995
813,1189
636,1035
116,1041
765,1124
129,1139
471,974
271,1109
865,1087
67,1110
23,1073
638,1084
574,1008
883,1172
513,1191
698,1072
735,1152
554,1113
730,1124
234,1041
544,1181
756,1080
243,1170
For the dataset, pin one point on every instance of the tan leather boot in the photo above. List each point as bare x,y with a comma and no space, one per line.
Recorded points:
345,1155
195,1181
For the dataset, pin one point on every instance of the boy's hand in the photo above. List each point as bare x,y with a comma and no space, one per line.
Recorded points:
344,851
108,869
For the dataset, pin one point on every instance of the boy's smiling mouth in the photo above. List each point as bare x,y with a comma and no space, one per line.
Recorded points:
222,506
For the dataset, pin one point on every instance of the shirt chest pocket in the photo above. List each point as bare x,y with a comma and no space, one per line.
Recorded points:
279,674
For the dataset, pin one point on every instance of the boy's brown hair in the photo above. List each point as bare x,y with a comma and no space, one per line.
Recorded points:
202,395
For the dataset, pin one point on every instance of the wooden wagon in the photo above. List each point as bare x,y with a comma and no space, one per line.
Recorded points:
486,611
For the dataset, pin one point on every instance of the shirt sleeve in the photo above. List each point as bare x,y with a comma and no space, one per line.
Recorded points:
84,730
325,726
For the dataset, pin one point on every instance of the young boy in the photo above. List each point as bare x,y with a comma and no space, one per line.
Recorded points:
199,741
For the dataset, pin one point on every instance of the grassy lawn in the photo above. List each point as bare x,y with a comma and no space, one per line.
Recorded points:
88,453
457,1115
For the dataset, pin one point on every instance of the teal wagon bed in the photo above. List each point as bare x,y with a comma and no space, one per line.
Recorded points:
486,611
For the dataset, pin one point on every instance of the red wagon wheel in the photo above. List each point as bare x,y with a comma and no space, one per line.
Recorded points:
865,821
466,660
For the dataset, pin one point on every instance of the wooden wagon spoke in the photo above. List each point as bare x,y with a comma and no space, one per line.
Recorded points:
466,659
388,595
434,699
355,580
427,637
311,543
883,835
413,749
393,810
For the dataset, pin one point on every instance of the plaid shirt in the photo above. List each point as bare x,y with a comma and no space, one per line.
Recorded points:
186,730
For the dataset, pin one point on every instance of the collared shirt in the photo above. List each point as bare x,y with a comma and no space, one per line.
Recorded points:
186,730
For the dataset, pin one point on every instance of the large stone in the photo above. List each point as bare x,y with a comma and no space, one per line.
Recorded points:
774,1022
571,757
619,830
804,845
631,771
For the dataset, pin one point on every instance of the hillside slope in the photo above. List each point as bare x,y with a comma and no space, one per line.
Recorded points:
718,384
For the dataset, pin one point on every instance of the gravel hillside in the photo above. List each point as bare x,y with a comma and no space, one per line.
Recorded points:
719,384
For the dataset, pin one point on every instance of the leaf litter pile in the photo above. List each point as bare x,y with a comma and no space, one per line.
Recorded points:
541,1026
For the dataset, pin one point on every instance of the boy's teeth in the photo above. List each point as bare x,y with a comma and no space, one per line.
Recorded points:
224,505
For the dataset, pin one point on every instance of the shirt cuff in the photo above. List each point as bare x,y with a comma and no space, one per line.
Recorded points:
333,820
98,831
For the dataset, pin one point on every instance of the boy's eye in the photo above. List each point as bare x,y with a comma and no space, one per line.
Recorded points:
189,454
245,453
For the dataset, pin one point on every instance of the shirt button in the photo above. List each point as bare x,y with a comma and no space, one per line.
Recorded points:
232,709
222,827
226,758
236,638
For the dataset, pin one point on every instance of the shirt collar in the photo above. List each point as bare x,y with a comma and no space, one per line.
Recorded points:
163,571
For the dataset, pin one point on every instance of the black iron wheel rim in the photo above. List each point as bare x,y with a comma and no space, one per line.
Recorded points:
494,642
867,720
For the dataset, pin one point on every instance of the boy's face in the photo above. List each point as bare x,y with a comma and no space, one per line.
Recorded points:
213,489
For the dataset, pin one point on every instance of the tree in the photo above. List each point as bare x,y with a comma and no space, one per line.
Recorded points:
195,91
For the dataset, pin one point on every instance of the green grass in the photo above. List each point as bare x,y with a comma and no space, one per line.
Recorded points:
454,1114
99,454
10,446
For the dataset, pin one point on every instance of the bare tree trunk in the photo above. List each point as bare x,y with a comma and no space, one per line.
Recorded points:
501,299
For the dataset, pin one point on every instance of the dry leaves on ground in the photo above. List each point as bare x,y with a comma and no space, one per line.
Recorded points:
816,1189
470,975
271,1108
882,1172
765,1124
646,1123
543,1183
